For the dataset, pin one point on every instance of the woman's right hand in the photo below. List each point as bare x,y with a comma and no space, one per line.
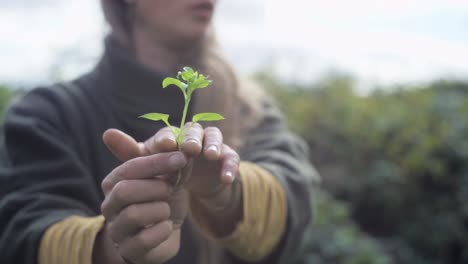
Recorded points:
137,210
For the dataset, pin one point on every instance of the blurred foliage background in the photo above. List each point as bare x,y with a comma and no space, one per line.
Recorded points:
393,165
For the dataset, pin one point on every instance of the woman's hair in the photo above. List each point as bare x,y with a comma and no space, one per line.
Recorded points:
238,100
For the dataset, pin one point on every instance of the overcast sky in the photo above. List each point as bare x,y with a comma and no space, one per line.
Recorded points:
377,41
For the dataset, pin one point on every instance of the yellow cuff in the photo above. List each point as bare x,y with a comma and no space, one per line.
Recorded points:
70,240
264,215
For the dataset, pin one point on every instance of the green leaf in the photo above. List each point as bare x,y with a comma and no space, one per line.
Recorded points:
188,69
180,136
157,117
202,84
207,117
188,74
175,131
173,81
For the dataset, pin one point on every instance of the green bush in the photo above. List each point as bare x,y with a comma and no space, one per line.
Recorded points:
399,158
5,96
334,238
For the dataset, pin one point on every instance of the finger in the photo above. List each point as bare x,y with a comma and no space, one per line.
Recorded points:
166,250
135,217
144,241
230,167
144,167
193,139
123,146
163,141
212,141
129,192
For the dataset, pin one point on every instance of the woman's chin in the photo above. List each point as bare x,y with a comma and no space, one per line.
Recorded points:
195,34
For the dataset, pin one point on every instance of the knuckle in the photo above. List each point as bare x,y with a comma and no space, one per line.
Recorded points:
195,131
165,130
123,170
231,165
132,215
121,191
163,209
161,189
157,161
236,157
143,241
231,154
162,132
195,126
155,141
211,140
166,230
212,130
233,161
112,231
166,187
106,185
162,138
104,210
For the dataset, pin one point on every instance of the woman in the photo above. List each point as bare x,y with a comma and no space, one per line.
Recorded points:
69,197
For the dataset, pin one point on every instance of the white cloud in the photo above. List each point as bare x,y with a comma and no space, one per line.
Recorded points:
34,38
385,41
25,4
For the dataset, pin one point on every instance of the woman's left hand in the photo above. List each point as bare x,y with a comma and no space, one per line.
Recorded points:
214,164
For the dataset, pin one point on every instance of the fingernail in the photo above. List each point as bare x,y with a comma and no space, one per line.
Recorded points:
177,160
169,138
229,174
213,148
150,225
192,140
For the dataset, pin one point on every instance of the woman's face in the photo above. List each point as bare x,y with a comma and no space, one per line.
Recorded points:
175,21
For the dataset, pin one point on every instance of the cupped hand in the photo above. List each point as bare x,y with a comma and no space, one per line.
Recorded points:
212,165
139,202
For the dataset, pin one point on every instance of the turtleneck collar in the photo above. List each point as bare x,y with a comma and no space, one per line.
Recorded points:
128,76
133,90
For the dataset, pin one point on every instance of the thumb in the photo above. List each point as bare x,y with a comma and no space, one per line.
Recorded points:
123,146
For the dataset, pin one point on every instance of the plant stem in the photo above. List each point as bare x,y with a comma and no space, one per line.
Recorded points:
182,133
182,122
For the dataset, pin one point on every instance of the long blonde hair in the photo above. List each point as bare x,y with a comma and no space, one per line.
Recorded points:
237,99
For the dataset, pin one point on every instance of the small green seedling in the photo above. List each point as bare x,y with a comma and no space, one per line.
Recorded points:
188,81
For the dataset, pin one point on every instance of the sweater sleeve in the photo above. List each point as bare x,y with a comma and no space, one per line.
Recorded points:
273,147
264,215
70,240
42,179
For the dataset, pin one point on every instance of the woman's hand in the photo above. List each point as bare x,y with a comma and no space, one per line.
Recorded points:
210,182
211,163
139,204
214,164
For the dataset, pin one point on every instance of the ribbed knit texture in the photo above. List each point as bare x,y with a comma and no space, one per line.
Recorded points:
70,241
264,216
